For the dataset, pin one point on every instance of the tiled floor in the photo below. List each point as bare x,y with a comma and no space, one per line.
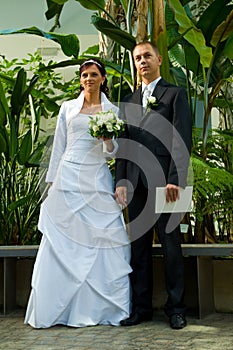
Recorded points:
214,332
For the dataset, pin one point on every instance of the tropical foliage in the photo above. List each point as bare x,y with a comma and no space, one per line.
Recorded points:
196,42
24,104
20,152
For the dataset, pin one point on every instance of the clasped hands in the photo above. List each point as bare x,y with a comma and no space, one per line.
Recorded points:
172,194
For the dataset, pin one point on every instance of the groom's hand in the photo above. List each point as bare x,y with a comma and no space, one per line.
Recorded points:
121,195
172,193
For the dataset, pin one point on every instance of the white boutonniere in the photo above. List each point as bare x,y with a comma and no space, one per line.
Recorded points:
151,102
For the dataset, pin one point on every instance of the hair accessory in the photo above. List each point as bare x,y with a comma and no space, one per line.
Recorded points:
91,61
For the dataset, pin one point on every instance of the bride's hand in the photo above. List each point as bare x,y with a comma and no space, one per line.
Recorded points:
109,144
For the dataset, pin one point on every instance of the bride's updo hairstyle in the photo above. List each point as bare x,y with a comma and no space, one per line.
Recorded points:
102,70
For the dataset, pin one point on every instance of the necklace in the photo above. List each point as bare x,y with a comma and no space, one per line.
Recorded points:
90,109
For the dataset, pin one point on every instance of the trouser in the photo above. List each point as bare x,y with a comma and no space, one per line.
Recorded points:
142,220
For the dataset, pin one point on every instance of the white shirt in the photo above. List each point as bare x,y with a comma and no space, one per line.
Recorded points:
150,86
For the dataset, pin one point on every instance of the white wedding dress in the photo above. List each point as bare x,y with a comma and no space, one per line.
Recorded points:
81,273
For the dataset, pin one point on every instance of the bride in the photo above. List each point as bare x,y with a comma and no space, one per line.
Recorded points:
81,273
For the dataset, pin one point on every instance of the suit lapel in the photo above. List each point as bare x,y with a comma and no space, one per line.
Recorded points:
137,96
160,89
132,108
158,92
136,99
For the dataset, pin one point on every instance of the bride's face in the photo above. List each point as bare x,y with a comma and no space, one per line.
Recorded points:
91,79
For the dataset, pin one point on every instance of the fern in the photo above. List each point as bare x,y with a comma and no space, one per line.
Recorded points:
213,189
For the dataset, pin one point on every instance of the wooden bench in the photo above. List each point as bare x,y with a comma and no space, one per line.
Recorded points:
203,253
10,254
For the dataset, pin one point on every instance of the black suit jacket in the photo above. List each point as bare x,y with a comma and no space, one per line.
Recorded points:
155,145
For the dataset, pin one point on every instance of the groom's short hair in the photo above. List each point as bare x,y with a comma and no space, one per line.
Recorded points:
153,45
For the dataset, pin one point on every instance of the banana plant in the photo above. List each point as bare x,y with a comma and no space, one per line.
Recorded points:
197,53
207,77
69,42
207,64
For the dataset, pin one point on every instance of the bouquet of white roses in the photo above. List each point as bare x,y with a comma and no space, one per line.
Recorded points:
106,125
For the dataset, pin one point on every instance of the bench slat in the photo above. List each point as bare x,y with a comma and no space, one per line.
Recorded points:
18,251
200,249
188,249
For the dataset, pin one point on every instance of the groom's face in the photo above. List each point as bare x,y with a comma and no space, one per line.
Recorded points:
147,62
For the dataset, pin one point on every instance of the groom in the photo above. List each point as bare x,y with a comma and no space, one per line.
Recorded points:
154,151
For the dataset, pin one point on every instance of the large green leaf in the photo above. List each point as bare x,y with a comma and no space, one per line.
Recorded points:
115,69
213,16
19,89
223,103
35,157
223,31
29,88
118,35
228,49
69,42
4,109
178,76
92,4
13,139
19,203
192,59
191,33
54,8
5,137
7,79
25,148
61,64
3,118
3,144
92,50
59,2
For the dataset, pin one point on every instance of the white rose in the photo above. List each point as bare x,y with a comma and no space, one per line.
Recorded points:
100,121
95,128
151,99
109,127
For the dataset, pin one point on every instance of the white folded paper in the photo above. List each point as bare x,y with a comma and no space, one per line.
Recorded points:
182,205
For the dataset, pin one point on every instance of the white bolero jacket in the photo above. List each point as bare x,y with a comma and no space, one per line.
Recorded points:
68,110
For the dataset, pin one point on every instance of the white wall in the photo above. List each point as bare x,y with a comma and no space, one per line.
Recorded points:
18,46
18,14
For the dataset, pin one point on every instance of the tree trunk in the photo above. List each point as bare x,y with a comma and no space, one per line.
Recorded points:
199,232
159,35
142,22
107,45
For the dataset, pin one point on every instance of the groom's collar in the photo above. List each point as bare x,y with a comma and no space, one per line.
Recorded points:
150,86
